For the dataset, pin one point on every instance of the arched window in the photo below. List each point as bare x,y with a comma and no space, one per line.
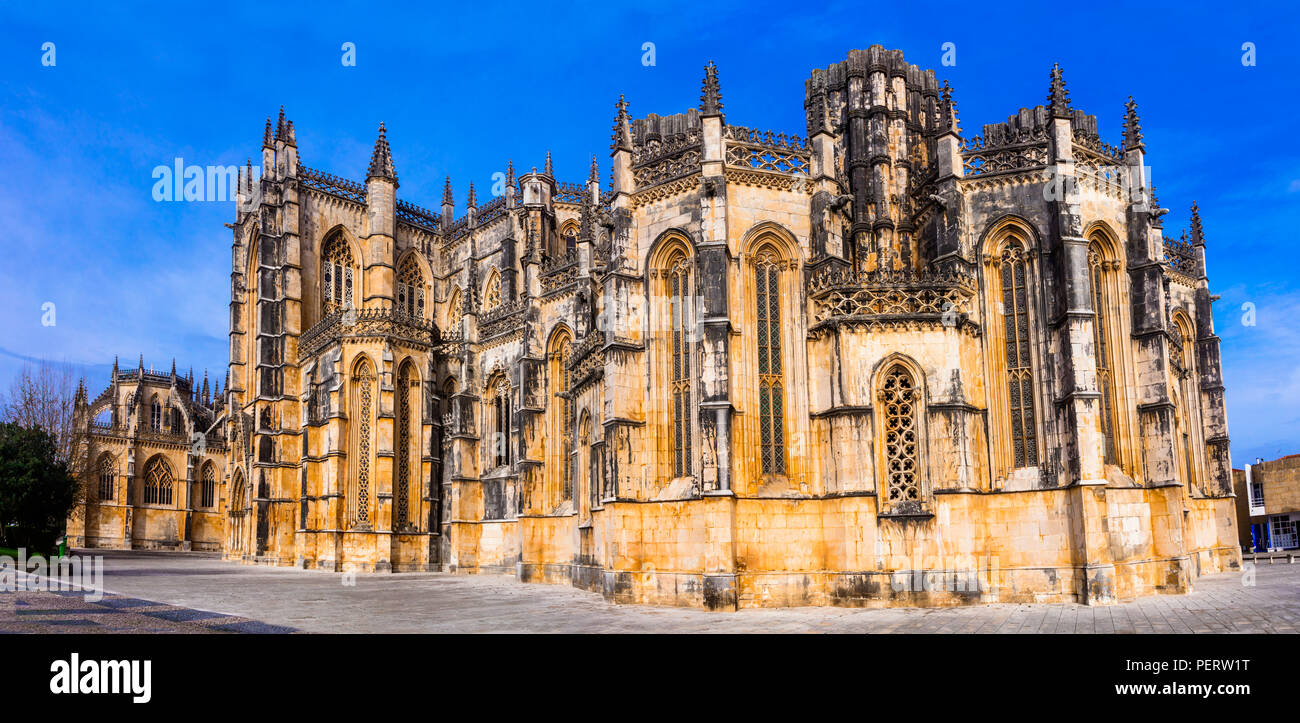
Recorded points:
236,510
898,415
1019,373
107,478
408,457
1102,343
560,411
176,422
492,292
681,299
589,477
157,482
771,377
208,487
363,406
337,271
155,415
455,311
1183,362
410,288
570,235
499,438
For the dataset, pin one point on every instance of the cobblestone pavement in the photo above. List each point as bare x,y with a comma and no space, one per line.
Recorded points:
201,593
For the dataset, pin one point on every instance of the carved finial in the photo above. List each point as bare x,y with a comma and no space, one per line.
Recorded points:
948,121
1198,233
472,202
622,136
381,159
291,138
248,174
1058,98
547,169
510,173
266,134
594,175
173,369
1132,126
114,366
281,131
446,193
207,398
710,92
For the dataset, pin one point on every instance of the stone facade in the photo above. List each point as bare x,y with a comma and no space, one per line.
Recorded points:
888,363
149,481
1268,504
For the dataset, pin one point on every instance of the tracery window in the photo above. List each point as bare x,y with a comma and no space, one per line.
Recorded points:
364,406
561,409
208,488
499,442
337,271
492,293
454,314
1184,395
155,415
771,378
1020,377
410,288
681,298
1101,342
107,478
157,483
406,454
898,399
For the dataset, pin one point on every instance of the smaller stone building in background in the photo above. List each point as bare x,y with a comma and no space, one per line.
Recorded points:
155,463
1268,504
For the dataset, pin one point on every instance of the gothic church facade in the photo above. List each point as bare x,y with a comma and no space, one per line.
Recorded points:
757,369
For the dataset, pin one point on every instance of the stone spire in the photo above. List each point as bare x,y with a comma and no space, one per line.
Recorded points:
291,137
948,121
139,372
248,175
173,371
548,170
1058,98
1132,127
472,202
1198,233
266,134
622,136
510,173
281,131
381,159
207,399
710,92
594,175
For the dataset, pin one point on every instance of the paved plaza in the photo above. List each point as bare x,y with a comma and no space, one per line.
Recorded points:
192,592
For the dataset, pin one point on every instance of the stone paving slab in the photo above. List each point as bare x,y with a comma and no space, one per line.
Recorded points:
192,588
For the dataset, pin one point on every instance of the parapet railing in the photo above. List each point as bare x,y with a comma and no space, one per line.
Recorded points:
365,323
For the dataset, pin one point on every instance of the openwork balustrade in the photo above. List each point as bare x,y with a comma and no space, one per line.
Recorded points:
661,160
886,294
331,184
570,193
416,216
767,151
364,324
1005,151
1181,257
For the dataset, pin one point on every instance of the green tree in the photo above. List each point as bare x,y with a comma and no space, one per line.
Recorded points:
36,488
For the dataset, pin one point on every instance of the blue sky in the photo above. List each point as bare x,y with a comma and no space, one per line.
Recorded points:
462,88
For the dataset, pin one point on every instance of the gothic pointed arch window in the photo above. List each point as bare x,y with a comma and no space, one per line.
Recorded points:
406,485
587,471
410,288
107,478
361,454
492,292
498,405
560,411
899,397
1099,270
455,311
338,273
569,234
1185,396
771,369
155,414
157,482
681,299
1019,373
235,510
208,487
